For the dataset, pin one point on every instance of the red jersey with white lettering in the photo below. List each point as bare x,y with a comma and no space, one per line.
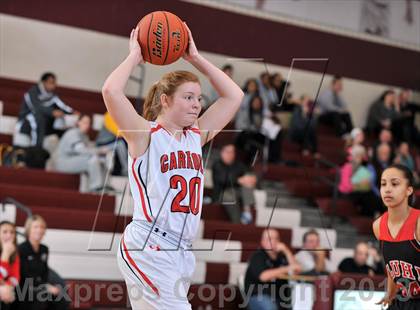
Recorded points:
402,254
167,181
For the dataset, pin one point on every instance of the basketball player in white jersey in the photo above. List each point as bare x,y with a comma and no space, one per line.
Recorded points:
166,173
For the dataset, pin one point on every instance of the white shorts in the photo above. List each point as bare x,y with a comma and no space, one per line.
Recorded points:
157,273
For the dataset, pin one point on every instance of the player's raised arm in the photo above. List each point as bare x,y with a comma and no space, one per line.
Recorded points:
224,109
133,127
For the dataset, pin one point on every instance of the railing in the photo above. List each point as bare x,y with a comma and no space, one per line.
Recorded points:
18,205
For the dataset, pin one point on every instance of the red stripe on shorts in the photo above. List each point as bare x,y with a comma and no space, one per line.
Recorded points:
131,261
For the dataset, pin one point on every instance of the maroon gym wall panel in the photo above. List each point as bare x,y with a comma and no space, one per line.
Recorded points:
237,35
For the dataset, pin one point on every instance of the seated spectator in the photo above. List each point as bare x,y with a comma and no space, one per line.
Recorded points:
259,130
109,137
404,157
409,110
213,95
359,263
41,115
34,270
357,181
284,96
233,185
383,113
75,154
357,137
267,93
312,260
385,136
9,264
381,160
266,276
303,127
250,91
333,108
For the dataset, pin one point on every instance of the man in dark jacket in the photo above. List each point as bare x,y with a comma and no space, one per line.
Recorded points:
233,185
41,113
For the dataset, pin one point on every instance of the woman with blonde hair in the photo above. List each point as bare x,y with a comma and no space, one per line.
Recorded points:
166,173
35,271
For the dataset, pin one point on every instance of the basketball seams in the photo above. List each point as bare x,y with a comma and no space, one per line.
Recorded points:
169,38
185,36
148,36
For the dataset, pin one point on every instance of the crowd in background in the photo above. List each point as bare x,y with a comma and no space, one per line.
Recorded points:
26,281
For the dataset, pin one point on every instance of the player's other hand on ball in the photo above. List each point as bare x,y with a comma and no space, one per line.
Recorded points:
191,51
134,46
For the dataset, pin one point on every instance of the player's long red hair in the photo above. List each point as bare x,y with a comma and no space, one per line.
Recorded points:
167,85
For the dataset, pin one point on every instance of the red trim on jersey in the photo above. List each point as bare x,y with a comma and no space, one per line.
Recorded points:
193,129
132,262
407,230
143,201
154,129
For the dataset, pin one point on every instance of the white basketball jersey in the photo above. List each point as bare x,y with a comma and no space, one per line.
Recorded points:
167,181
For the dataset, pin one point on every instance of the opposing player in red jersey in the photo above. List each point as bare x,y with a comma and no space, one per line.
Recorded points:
398,230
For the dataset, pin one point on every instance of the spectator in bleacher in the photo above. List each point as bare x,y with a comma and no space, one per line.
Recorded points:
409,110
228,70
35,273
267,92
383,113
313,260
382,160
242,116
357,137
385,136
9,264
281,86
109,137
77,154
259,130
333,108
404,157
233,185
266,276
366,260
303,126
41,115
357,182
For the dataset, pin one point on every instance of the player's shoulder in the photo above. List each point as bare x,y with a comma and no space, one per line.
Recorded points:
376,226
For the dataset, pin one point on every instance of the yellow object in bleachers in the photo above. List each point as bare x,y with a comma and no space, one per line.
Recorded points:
110,125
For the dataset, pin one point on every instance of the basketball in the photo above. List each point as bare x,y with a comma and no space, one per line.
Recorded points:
163,37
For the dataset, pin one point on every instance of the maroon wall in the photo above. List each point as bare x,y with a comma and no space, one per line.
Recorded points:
237,35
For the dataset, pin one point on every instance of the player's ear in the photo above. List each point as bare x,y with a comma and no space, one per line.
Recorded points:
164,100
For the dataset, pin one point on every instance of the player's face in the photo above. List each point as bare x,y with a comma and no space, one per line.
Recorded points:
185,104
7,233
37,231
394,188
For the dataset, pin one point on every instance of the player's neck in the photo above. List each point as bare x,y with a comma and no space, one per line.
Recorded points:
398,214
170,126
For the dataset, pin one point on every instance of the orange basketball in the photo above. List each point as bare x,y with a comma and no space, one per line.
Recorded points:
163,37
